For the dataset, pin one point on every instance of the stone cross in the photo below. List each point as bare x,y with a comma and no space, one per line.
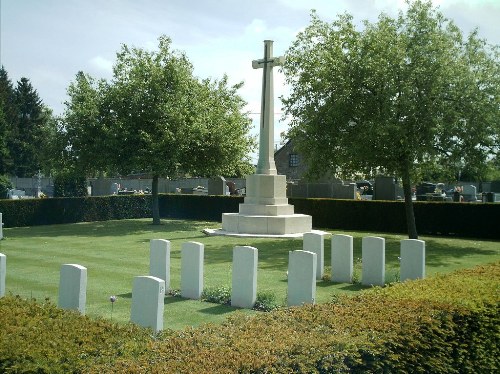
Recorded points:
266,163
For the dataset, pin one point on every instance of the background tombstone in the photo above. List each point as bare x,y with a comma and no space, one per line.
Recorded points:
385,188
315,242
73,287
192,270
3,273
217,186
301,277
244,277
1,226
412,259
159,260
148,294
342,258
373,261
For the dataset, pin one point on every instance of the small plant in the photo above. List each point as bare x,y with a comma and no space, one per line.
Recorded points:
266,301
217,295
174,293
112,299
356,271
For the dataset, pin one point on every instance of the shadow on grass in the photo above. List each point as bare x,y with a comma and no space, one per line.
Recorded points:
217,309
111,228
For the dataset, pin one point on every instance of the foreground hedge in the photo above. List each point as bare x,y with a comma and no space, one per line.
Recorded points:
460,219
445,324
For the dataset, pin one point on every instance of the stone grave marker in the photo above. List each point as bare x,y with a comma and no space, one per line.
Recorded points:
217,186
315,242
192,270
73,287
3,273
342,258
412,259
469,192
301,277
159,260
148,294
244,277
373,261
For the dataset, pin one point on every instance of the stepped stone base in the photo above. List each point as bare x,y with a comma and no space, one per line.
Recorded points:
266,210
273,225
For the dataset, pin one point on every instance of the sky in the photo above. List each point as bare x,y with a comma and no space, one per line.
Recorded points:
49,41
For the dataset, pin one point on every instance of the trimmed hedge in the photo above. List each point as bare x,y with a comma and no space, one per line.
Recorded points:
444,324
436,218
32,212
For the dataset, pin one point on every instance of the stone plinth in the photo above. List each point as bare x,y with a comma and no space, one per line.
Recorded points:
266,210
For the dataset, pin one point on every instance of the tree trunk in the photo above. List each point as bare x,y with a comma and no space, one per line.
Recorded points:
410,214
156,206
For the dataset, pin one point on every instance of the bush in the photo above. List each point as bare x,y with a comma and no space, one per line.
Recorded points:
70,185
434,218
217,295
444,324
5,185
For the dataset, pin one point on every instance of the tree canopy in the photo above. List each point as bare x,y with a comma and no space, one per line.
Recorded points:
23,120
396,95
156,117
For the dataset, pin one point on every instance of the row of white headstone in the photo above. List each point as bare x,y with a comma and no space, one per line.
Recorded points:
305,267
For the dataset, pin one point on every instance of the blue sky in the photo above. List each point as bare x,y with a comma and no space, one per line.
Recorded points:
49,41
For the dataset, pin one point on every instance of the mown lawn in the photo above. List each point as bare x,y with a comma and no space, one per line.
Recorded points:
116,251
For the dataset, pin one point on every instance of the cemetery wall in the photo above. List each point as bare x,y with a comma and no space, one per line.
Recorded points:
478,220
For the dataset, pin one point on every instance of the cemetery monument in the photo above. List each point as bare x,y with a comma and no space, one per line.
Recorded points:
265,211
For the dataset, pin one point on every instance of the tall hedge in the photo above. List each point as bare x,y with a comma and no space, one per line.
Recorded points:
444,324
436,218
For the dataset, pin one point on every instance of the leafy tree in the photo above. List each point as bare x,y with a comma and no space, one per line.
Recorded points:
398,95
27,132
7,117
156,117
5,185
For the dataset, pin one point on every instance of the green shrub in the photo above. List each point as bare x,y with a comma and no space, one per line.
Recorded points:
217,295
431,217
266,301
445,324
5,185
70,185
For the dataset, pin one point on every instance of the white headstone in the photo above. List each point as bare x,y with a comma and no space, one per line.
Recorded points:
1,226
244,278
301,277
373,261
3,273
73,287
315,242
342,258
159,260
148,294
192,270
412,259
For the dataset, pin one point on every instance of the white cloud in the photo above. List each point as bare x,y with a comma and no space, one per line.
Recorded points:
101,64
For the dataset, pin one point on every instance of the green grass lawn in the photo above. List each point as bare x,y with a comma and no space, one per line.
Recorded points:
115,251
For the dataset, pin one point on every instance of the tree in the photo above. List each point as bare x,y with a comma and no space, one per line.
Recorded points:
7,116
398,95
156,117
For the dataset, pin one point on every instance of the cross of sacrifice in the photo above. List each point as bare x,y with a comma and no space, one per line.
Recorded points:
266,163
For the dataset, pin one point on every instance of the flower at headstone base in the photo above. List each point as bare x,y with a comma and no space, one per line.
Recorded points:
112,299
